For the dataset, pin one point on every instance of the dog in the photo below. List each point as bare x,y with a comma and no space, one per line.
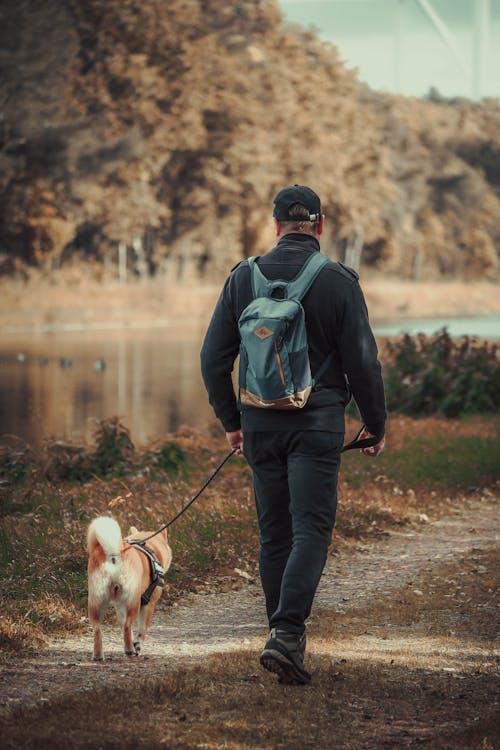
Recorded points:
120,574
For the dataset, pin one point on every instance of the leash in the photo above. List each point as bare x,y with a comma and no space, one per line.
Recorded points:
356,443
212,476
157,572
156,569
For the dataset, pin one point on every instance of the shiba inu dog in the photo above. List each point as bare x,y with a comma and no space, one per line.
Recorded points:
127,576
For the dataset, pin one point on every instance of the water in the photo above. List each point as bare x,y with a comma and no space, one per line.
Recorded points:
61,384
487,327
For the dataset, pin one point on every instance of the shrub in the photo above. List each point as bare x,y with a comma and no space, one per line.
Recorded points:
436,374
114,447
67,462
14,464
170,458
113,452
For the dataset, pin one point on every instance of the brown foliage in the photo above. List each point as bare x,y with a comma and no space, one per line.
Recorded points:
177,125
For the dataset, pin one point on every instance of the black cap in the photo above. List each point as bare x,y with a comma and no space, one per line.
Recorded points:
289,196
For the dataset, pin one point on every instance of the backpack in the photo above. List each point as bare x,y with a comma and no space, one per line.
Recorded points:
274,369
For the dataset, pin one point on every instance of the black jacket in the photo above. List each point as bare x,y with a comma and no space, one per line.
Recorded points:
336,322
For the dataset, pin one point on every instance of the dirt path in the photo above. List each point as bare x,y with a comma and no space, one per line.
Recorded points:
234,622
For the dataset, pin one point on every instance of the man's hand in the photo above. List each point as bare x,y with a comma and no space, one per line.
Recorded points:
374,450
235,440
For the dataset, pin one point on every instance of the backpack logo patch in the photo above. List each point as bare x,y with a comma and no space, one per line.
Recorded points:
263,333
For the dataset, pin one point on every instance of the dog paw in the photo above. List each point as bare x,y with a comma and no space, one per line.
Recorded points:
130,653
137,647
98,658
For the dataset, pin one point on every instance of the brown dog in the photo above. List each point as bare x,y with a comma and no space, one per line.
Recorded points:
119,574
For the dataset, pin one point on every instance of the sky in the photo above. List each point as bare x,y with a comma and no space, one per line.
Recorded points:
410,46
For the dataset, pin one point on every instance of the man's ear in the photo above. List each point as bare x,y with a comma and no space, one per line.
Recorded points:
278,227
319,229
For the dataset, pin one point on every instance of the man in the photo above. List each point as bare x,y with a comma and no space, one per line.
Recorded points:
294,454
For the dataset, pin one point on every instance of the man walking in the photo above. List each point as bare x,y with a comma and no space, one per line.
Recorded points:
294,453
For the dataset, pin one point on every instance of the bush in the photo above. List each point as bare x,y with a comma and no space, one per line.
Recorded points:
436,374
113,453
114,447
14,465
170,458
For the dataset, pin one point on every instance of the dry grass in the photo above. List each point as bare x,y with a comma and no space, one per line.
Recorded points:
82,300
436,605
227,705
76,297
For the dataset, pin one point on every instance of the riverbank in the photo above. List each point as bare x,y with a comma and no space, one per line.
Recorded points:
76,301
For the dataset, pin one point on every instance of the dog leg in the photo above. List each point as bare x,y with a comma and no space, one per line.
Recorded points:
98,653
127,640
129,646
143,623
95,618
141,629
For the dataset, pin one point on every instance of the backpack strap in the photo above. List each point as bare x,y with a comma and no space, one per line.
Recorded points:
296,288
261,285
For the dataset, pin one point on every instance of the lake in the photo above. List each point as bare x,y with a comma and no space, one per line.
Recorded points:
60,384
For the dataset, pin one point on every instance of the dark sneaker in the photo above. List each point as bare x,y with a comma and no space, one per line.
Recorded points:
284,655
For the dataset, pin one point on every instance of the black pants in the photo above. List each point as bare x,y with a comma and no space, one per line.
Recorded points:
295,481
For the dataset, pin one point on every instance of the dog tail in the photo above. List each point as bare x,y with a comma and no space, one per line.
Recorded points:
104,531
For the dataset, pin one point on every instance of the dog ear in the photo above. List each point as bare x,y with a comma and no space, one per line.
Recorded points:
132,531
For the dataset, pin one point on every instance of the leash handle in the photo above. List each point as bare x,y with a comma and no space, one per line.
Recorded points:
360,443
189,504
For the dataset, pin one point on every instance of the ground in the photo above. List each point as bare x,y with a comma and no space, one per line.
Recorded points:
401,645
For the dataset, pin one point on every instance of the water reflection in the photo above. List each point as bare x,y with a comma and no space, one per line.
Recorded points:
61,384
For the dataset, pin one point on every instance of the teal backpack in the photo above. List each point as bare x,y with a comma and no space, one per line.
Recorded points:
274,370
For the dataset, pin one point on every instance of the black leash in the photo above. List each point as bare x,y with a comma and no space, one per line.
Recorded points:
356,443
189,504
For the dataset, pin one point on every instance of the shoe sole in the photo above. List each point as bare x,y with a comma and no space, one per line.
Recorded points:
288,673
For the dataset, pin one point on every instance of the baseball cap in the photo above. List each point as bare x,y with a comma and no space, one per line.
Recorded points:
296,194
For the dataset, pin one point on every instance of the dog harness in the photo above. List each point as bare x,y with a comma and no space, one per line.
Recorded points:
156,569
